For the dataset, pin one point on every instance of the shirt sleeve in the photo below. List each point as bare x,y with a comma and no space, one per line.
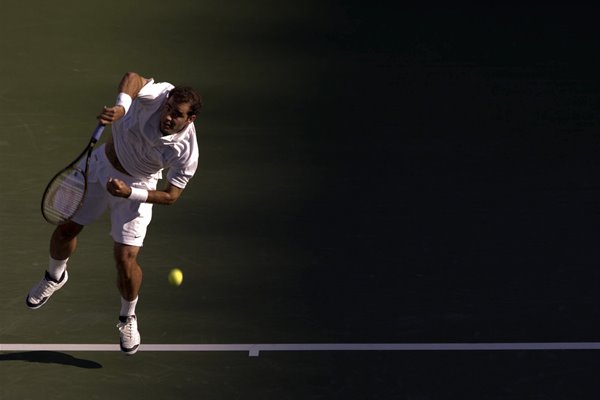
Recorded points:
153,90
180,176
182,169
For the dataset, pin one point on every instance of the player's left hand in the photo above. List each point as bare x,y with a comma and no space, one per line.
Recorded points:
118,188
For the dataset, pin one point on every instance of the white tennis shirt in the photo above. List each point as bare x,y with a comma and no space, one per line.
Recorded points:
141,147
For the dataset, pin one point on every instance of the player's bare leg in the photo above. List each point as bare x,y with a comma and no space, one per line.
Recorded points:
129,281
64,240
129,272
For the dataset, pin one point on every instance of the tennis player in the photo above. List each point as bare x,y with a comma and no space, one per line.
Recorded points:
152,130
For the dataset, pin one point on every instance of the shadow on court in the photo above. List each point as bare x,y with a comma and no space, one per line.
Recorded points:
50,357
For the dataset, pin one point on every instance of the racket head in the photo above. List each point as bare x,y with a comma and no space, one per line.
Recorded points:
64,195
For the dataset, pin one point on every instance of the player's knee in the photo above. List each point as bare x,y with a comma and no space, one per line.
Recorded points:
126,262
68,231
126,258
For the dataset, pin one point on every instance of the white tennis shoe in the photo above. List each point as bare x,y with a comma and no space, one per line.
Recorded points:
129,335
40,293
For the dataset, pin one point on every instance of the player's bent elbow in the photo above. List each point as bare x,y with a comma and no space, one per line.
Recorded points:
171,195
170,198
132,76
169,201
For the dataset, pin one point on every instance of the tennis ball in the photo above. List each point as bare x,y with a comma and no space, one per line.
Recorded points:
175,277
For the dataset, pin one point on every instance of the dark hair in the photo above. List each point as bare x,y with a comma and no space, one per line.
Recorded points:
185,94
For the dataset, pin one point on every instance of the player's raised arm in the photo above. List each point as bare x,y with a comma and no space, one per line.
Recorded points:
132,83
129,87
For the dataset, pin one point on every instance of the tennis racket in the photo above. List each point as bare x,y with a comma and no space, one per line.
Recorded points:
64,194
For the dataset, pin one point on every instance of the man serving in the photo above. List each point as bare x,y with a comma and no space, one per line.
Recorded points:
152,130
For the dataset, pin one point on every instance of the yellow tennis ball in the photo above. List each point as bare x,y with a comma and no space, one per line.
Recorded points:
175,277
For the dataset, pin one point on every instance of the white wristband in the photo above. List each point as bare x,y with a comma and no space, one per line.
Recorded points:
123,99
137,194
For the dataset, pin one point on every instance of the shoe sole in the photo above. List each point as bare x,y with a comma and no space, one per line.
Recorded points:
130,352
33,306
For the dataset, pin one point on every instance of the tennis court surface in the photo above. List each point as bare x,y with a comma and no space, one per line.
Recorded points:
392,202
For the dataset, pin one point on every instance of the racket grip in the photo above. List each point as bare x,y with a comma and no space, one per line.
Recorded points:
97,133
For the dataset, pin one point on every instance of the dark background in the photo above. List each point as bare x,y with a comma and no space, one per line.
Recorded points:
370,172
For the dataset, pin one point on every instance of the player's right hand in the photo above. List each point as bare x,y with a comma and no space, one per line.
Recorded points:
111,114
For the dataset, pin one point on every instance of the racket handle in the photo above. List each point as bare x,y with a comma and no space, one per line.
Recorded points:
97,133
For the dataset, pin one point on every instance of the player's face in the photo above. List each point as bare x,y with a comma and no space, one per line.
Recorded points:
174,117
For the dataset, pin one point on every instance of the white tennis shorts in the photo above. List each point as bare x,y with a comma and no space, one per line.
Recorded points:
129,220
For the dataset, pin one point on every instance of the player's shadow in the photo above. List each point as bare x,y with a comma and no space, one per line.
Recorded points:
50,357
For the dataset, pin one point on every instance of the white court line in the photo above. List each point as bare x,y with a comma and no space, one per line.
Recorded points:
255,349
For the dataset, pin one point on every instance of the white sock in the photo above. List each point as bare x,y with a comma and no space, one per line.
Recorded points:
128,307
57,267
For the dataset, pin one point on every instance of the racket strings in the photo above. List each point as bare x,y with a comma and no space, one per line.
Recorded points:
64,196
